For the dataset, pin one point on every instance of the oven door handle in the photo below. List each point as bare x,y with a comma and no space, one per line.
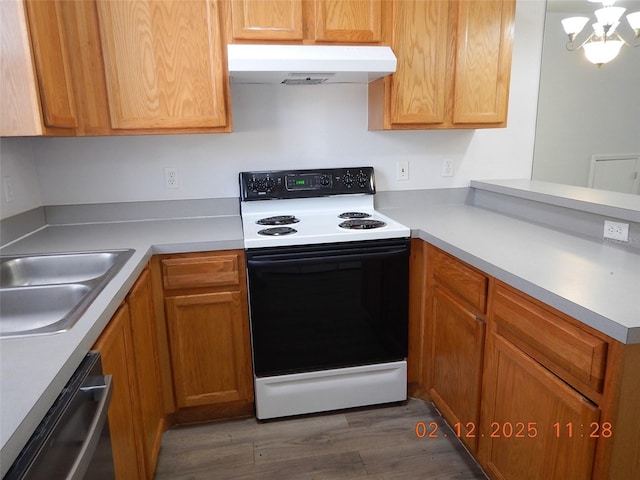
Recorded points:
305,258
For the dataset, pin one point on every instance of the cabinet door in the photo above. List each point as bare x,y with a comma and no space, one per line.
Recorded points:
52,64
144,335
483,61
418,88
116,349
352,21
36,94
533,424
456,362
266,19
163,63
209,337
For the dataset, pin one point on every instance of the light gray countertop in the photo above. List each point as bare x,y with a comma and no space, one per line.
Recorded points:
595,282
34,370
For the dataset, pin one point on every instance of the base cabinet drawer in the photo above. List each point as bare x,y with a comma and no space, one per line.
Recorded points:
553,339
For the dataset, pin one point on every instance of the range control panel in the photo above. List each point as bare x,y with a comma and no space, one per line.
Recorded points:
282,184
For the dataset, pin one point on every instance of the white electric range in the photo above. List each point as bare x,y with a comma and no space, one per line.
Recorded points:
328,291
304,207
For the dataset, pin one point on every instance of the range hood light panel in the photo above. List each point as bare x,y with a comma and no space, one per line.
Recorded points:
308,64
307,78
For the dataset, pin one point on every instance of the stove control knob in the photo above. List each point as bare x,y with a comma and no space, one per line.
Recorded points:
325,180
361,179
269,184
252,185
347,179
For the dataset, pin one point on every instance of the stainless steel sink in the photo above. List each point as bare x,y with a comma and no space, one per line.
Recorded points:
39,309
48,293
55,269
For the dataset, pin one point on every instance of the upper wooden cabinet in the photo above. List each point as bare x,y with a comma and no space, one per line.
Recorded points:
163,64
306,21
484,38
454,65
348,21
266,19
36,96
148,66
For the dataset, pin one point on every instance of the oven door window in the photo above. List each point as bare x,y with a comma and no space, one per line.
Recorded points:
328,309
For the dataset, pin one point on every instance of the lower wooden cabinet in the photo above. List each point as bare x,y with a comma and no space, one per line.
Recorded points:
129,351
532,392
456,360
208,346
118,359
183,330
208,329
533,424
455,330
144,340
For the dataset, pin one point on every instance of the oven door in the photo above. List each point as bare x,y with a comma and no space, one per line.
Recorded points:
328,306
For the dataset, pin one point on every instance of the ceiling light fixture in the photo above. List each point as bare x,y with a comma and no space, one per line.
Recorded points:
605,42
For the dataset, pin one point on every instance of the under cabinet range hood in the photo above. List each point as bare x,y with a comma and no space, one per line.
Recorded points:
308,64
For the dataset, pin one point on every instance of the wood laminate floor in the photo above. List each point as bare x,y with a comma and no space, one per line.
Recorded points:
369,443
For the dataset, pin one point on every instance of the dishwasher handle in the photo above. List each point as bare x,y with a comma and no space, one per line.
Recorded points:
81,464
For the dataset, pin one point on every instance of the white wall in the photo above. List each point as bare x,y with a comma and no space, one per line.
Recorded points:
584,110
18,171
298,127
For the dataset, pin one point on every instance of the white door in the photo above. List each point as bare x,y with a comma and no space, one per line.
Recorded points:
618,173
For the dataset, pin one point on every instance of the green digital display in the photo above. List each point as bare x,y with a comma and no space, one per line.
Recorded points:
301,182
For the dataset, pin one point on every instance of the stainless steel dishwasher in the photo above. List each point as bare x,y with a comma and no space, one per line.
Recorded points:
72,442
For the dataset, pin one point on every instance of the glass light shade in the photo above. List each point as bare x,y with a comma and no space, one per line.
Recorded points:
605,3
609,15
600,53
574,25
634,20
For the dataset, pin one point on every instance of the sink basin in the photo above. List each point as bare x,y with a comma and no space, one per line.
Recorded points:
22,271
44,309
48,293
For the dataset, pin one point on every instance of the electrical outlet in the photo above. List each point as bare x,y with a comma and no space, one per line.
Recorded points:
616,231
171,179
402,170
447,167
